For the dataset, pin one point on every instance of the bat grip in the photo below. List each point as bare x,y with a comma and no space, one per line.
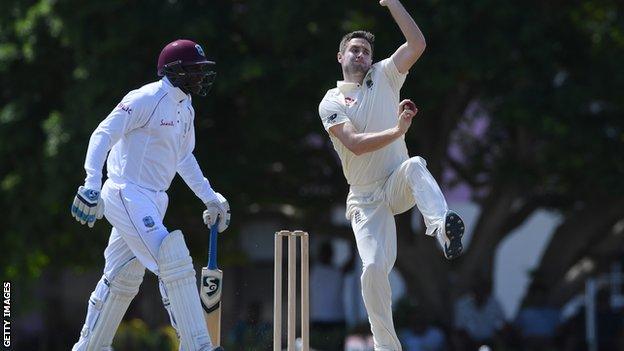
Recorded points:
212,249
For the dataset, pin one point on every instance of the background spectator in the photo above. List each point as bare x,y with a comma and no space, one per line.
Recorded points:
251,333
478,319
537,322
327,316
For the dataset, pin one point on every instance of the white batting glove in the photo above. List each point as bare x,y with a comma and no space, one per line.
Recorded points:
220,208
88,206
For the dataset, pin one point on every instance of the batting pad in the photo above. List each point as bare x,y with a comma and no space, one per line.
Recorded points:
177,275
107,306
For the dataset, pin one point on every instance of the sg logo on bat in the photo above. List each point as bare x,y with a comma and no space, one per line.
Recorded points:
211,284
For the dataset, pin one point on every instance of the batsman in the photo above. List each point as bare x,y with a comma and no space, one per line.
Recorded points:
151,137
367,123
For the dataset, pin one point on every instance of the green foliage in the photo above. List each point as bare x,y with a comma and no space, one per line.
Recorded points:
548,74
547,77
136,335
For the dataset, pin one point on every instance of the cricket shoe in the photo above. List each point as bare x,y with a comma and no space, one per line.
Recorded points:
450,239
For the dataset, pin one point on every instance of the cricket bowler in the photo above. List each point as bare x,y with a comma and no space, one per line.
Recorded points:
151,137
367,125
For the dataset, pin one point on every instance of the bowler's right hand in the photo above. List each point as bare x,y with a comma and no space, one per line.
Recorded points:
407,111
87,206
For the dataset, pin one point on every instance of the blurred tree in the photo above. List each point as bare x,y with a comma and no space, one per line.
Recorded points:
136,335
519,100
523,108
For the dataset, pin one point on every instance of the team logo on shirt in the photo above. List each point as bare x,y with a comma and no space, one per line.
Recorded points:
369,83
166,123
148,221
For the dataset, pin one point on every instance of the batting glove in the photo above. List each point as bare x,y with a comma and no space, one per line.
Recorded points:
88,206
220,208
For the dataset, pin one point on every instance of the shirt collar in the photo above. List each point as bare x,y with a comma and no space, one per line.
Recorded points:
176,93
346,87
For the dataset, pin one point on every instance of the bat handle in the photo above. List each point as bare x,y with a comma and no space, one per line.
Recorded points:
212,249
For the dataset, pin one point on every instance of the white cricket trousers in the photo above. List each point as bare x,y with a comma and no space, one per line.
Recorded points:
371,209
136,215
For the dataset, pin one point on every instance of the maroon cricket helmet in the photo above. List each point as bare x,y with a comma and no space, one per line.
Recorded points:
185,64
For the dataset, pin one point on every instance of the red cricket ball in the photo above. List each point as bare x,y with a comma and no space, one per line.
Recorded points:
409,106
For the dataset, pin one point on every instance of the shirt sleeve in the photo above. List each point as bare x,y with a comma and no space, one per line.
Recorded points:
332,113
392,74
189,170
131,113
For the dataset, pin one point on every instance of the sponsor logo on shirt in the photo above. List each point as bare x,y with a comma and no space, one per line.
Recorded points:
357,217
124,107
332,118
350,101
166,123
148,221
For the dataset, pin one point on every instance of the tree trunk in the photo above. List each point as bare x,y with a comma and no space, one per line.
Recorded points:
425,270
500,214
574,239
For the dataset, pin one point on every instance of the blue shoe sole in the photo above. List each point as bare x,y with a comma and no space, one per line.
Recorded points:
454,227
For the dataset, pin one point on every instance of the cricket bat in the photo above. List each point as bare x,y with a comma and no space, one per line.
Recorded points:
210,289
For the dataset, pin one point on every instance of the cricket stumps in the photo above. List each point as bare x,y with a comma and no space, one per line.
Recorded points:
292,290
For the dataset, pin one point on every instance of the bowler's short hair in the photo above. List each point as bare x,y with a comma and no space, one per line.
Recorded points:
368,36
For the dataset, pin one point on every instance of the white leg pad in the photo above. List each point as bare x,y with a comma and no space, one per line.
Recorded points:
107,306
177,276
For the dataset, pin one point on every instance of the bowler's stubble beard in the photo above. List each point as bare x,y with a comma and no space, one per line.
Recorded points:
356,69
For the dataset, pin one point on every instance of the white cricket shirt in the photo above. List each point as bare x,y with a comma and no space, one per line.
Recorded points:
150,135
370,107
